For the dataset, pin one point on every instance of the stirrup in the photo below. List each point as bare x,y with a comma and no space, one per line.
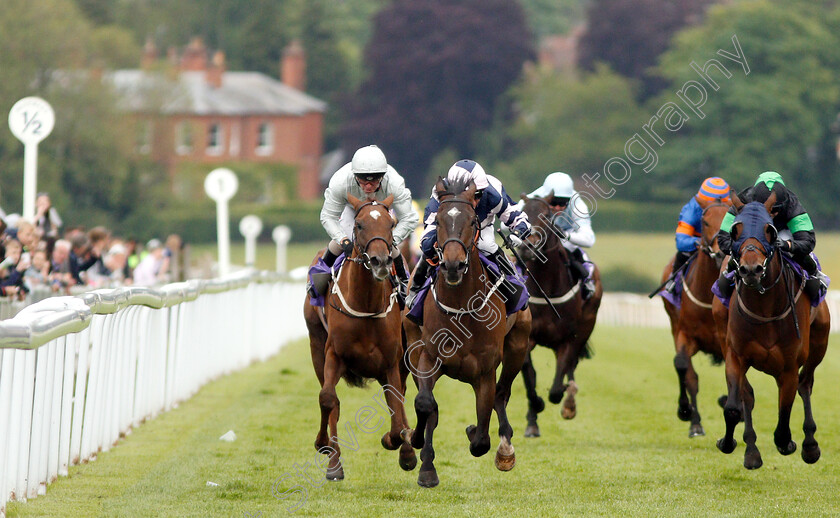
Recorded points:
588,289
411,298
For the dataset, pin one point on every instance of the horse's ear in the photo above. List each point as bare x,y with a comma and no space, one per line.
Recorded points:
440,187
771,233
770,202
355,202
523,196
388,201
735,231
469,192
736,201
703,202
549,196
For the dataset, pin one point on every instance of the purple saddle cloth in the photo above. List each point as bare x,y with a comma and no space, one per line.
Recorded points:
416,311
676,297
321,267
796,268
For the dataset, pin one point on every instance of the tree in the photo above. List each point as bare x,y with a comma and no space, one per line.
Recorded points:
564,124
629,35
437,68
777,117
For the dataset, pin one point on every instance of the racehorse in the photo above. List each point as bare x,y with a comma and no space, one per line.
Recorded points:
773,328
465,335
360,335
692,324
548,261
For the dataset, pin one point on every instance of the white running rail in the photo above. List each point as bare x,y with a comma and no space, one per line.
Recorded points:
77,373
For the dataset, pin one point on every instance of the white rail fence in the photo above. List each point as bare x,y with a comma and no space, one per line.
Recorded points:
77,373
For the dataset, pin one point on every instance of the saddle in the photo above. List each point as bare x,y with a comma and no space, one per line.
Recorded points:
320,276
516,303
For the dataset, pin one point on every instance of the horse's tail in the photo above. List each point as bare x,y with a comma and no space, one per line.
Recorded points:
354,380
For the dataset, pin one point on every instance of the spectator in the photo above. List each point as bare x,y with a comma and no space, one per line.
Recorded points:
148,271
116,260
80,257
61,276
11,270
38,274
46,217
28,236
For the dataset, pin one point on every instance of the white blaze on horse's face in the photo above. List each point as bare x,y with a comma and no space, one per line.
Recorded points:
453,212
375,215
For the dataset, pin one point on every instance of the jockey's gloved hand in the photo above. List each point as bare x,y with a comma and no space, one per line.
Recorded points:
783,246
520,232
347,246
514,240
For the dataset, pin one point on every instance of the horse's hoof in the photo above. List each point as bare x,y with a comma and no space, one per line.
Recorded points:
537,405
684,413
479,449
696,430
568,412
810,454
555,396
335,474
428,479
726,447
753,461
790,448
388,444
532,431
471,432
408,460
722,401
505,455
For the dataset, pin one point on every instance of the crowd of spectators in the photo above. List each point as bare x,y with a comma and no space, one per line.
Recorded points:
41,254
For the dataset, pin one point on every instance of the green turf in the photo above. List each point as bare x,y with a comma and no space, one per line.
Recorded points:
625,454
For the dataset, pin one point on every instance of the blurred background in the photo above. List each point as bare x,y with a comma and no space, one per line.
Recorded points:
150,95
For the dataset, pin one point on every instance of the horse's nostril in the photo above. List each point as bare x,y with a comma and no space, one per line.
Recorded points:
461,265
743,270
759,269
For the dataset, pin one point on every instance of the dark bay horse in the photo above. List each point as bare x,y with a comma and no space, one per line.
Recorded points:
360,336
465,335
548,261
772,327
692,324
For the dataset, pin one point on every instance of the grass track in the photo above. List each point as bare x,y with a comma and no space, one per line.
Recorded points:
626,453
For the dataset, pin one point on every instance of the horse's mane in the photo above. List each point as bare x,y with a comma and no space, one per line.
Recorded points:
453,187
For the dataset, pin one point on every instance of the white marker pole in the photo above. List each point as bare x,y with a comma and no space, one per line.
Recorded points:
31,120
250,227
281,236
221,184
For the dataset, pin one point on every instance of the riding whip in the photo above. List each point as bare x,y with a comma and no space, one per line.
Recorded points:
672,276
542,292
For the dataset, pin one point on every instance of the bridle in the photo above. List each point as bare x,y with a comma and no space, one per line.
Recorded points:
467,249
550,216
706,246
364,258
768,257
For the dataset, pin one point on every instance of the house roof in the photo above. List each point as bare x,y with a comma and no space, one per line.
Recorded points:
240,93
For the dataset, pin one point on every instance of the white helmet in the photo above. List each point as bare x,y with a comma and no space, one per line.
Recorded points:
560,183
369,163
471,170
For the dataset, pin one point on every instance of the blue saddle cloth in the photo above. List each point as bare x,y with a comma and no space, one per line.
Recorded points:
417,311
321,267
796,268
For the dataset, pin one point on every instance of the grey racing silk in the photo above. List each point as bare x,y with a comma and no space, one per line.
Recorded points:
343,182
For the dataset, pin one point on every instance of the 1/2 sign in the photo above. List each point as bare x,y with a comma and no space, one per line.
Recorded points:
31,120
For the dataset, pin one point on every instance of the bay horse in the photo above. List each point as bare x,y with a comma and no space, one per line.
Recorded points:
548,261
692,324
772,327
359,335
465,335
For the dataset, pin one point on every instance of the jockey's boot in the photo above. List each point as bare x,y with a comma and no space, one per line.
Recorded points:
318,285
402,279
817,280
679,260
421,273
726,286
580,273
509,292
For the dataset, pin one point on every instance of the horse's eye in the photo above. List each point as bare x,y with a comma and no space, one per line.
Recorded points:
358,226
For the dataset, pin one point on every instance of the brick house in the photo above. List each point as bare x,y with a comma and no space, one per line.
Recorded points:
193,110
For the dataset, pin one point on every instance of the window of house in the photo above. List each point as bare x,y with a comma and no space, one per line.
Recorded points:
214,139
143,144
265,139
183,138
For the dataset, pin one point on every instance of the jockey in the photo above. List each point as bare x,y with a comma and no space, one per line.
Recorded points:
491,200
796,232
688,228
367,176
575,224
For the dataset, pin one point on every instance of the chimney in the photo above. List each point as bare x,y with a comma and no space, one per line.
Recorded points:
216,70
149,55
195,56
293,66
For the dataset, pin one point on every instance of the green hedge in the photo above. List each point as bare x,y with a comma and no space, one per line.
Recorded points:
620,215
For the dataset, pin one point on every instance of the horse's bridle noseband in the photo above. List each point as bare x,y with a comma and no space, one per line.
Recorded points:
439,248
768,256
364,258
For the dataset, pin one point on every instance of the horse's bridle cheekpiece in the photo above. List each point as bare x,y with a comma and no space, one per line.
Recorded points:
364,258
439,248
